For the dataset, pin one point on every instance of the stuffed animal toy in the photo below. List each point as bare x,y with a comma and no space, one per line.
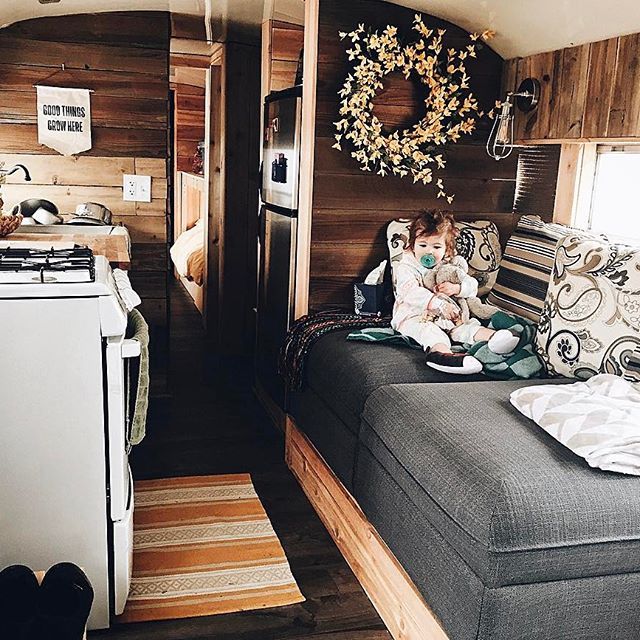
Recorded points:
454,271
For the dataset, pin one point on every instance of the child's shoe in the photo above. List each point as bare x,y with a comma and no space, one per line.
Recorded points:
459,363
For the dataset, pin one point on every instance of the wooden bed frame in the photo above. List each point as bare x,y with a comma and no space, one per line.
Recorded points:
189,207
393,594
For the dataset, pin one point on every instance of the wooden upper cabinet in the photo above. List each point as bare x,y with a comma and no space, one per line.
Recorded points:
284,46
588,92
570,92
602,63
624,114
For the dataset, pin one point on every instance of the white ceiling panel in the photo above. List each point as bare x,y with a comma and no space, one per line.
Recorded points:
522,27
525,27
15,11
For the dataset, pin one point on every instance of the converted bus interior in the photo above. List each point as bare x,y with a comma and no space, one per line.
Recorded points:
210,210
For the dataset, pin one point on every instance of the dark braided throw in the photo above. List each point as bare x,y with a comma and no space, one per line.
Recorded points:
306,330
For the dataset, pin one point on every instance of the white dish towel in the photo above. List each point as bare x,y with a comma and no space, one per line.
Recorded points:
599,419
129,297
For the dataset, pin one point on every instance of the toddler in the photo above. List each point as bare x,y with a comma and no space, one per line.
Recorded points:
432,239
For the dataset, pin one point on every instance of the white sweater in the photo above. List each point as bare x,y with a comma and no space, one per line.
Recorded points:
412,297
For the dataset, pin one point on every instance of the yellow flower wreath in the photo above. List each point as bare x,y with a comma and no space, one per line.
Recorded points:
450,110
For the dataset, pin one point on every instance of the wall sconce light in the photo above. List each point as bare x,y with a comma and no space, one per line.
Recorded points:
500,141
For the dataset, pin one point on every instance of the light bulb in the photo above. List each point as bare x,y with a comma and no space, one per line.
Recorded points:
500,141
502,136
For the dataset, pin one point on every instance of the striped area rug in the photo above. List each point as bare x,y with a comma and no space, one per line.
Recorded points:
203,546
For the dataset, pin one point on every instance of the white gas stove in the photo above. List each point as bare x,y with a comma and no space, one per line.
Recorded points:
66,490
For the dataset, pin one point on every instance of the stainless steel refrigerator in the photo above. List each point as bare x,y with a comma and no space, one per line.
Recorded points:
278,227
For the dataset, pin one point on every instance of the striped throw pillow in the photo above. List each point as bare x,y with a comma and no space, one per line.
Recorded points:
525,270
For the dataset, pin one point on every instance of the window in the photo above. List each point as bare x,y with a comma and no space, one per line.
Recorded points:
536,179
614,203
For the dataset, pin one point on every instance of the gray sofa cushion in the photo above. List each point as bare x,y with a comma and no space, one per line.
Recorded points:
328,433
344,373
598,608
562,609
445,580
515,504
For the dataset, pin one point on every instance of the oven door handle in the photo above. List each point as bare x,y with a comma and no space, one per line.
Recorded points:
130,348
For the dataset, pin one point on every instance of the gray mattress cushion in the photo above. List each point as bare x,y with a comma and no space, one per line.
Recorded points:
599,608
563,609
514,503
344,373
448,585
327,432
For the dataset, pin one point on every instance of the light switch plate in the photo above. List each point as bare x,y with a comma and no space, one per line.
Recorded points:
143,189
136,188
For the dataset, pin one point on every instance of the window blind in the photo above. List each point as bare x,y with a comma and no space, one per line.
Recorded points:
536,179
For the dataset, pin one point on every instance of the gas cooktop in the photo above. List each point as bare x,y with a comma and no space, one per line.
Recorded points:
40,266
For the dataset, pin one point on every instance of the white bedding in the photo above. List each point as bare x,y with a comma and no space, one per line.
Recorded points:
185,247
599,419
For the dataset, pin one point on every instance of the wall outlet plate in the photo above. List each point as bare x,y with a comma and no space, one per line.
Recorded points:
129,184
136,188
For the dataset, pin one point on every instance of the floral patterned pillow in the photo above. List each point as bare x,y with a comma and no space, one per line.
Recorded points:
590,322
632,366
478,243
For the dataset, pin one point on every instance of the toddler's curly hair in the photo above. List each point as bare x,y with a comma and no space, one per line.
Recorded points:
434,222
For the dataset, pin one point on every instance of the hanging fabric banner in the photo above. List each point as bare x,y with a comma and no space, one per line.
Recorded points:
64,119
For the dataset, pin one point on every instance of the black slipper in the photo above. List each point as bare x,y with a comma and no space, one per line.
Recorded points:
66,596
458,363
18,600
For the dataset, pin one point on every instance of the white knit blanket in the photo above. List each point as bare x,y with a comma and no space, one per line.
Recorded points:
599,419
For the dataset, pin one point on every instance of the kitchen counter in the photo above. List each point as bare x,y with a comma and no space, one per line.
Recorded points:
115,247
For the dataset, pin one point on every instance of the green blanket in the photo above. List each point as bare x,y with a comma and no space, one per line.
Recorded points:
521,363
139,330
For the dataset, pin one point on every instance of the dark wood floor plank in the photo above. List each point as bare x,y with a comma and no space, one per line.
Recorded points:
211,424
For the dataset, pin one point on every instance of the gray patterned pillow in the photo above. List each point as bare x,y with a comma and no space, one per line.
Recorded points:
590,322
478,243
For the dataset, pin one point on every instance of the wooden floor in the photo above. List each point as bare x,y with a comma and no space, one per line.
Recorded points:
212,424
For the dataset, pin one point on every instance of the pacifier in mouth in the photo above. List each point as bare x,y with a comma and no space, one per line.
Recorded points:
428,260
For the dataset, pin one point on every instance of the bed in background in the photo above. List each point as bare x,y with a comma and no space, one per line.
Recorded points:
188,250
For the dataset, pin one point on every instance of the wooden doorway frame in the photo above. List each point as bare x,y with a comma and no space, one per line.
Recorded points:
189,60
307,154
232,138
214,176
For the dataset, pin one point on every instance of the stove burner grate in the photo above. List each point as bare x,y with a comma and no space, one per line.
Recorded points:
47,265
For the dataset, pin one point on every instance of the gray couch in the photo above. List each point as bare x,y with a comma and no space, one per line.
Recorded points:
506,533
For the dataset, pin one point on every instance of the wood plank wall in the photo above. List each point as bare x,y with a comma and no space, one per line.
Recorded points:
285,45
124,58
351,208
188,123
589,92
190,57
